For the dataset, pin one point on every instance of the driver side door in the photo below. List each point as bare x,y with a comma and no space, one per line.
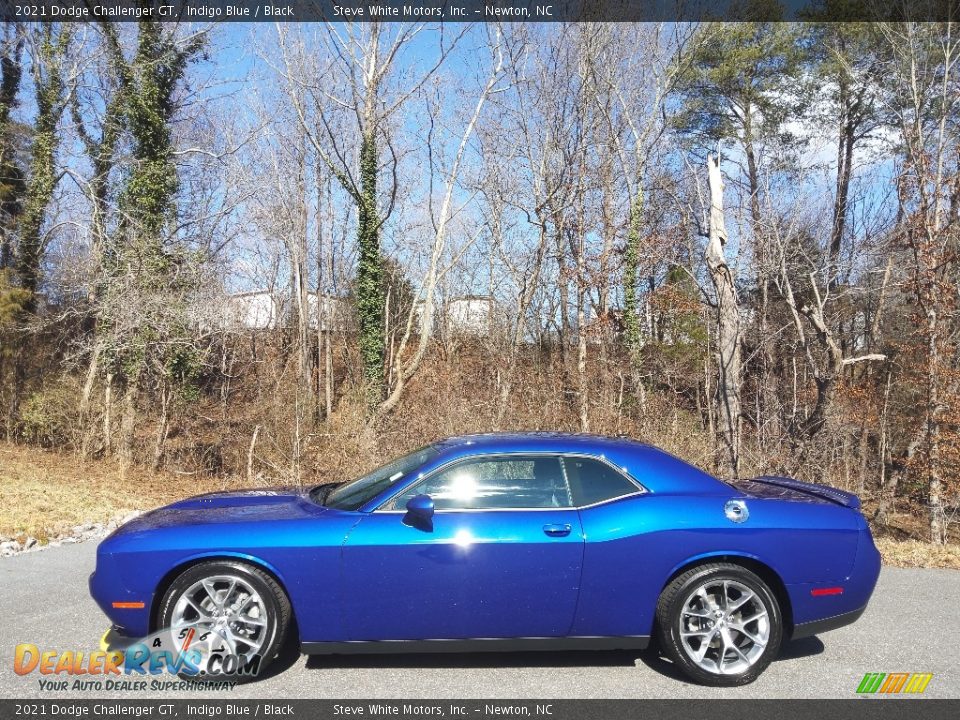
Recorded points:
501,558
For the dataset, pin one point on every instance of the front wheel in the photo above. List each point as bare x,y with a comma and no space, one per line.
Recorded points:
720,624
232,615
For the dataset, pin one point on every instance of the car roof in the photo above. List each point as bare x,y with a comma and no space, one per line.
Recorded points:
654,468
540,440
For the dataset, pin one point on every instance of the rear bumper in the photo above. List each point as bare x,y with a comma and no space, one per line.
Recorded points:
831,623
815,612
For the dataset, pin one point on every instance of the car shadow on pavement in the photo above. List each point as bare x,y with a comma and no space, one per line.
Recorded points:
804,647
609,658
791,650
288,656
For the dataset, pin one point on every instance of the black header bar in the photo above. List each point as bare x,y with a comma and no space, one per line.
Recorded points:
475,10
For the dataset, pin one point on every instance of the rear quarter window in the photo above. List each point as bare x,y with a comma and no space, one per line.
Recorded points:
594,481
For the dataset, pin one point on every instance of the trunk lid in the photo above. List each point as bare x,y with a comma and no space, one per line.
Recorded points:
790,489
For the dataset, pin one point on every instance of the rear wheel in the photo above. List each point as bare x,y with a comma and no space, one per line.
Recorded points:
234,614
720,624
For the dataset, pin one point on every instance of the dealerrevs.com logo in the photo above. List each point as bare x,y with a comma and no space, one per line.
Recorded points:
894,683
191,654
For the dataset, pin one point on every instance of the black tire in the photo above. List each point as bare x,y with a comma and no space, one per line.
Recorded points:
275,601
671,606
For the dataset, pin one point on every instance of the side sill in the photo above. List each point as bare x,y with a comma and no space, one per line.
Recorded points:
821,626
533,644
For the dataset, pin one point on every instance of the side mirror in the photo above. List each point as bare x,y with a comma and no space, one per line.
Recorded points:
420,507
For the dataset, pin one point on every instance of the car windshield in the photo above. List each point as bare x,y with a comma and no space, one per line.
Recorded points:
356,494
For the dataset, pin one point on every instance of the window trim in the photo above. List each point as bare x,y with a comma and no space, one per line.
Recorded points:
560,456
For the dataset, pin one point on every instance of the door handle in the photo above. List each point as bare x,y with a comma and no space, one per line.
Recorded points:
557,530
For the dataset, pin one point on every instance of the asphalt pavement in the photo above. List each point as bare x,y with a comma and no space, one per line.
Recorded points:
909,626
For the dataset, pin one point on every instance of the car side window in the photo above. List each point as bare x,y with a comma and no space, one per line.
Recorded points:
507,482
593,481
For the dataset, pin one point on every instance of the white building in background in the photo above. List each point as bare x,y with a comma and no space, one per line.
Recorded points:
265,310
467,315
258,310
470,315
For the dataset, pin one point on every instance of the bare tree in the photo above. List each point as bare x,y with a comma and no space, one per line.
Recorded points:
361,60
727,318
922,72
639,94
406,369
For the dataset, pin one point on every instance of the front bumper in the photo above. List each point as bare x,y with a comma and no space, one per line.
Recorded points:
117,602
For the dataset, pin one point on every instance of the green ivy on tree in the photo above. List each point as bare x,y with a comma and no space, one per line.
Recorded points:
43,157
13,184
370,274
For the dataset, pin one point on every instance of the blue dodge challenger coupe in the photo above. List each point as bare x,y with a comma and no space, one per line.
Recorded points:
526,541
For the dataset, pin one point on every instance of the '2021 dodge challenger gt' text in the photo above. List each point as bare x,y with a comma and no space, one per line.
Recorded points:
499,542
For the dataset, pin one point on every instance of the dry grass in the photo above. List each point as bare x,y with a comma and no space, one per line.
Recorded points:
917,554
44,494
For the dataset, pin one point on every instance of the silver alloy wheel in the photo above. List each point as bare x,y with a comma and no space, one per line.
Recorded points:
226,615
724,627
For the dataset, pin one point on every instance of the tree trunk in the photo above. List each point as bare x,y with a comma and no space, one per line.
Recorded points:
582,299
934,480
302,300
328,373
844,171
728,321
128,421
250,454
108,415
163,427
563,336
842,181
86,427
708,399
883,500
325,310
631,279
582,386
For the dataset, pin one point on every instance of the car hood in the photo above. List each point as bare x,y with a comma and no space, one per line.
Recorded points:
254,497
254,505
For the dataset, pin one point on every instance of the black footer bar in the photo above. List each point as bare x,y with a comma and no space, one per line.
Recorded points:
220,707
